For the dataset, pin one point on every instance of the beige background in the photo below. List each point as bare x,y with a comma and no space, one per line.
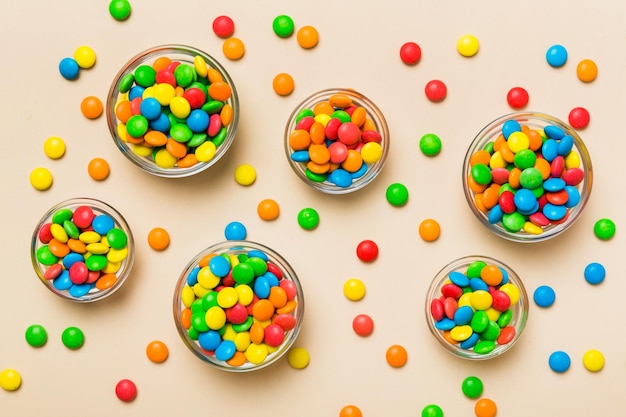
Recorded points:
358,48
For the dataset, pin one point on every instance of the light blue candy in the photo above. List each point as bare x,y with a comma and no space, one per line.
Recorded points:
509,127
573,196
359,172
559,361
544,296
470,341
136,91
463,315
524,200
192,277
565,145
556,56
340,177
150,108
271,279
550,150
300,156
225,350
262,287
255,253
594,273
198,121
554,212
161,123
235,231
102,223
478,284
69,69
219,266
71,258
458,278
445,324
553,132
79,290
552,185
495,214
209,340
63,281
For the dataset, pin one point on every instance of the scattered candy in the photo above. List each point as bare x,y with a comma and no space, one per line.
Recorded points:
283,84
367,250
467,45
396,356
430,144
73,338
268,209
350,411
307,37
36,335
91,107
98,169
559,361
472,387
126,390
594,273
579,118
233,48
354,289
593,360
41,178
410,53
158,239
587,70
157,351
223,26
308,218
429,230
363,325
85,57
245,174
517,97
298,358
544,296
54,147
604,229
10,380
69,69
432,410
556,56
119,9
397,194
283,26
485,407
435,90
235,231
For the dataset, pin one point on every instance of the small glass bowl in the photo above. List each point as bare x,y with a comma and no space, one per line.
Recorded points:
173,136
349,153
547,207
444,300
249,316
82,250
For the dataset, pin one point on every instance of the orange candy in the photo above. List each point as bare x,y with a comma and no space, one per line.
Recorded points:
350,411
268,209
257,333
219,90
283,84
106,281
587,70
299,139
185,318
429,230
158,239
485,408
91,107
492,275
278,297
480,157
307,37
353,161
123,110
396,356
233,48
319,154
157,351
238,359
98,169
263,310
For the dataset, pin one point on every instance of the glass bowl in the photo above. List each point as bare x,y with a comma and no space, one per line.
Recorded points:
337,140
173,110
238,305
82,250
476,307
534,184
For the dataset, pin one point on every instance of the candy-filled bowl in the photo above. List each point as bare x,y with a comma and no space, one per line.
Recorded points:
173,110
238,305
527,176
476,307
82,250
337,140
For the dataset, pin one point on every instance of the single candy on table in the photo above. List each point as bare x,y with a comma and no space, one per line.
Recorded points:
85,57
363,325
396,356
436,90
69,69
594,273
307,37
350,411
283,84
223,26
593,360
245,174
556,56
432,410
41,178
73,338
54,147
119,9
367,250
430,144
233,48
158,238
559,361
354,289
587,70
283,26
10,380
268,209
235,231
485,407
467,45
126,390
298,358
157,351
517,97
91,107
397,194
410,53
472,387
98,169
429,230
604,229
36,335
544,296
308,218
579,117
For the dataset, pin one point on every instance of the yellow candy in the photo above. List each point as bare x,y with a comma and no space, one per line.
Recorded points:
97,248
242,341
54,147
117,255
461,333
180,107
164,93
164,159
256,353
206,151
111,267
298,358
89,237
465,300
215,318
572,160
227,297
200,66
245,174
512,291
199,290
467,45
85,57
371,152
207,279
518,141
187,296
593,360
354,289
10,380
121,132
141,150
532,228
323,118
493,314
229,333
59,233
41,179
496,161
245,294
481,300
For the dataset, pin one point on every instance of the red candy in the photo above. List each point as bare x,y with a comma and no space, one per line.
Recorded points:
126,390
517,97
223,26
436,309
363,325
274,335
83,216
410,53
451,290
44,234
367,250
579,118
436,90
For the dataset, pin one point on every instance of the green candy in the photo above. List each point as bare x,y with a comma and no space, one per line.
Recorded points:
198,323
484,346
430,144
258,265
604,229
119,9
525,159
283,26
479,322
397,194
45,257
472,387
145,76
73,338
315,177
184,75
137,126
197,139
242,327
513,222
341,115
196,307
308,218
481,174
304,113
96,262
193,333
243,273
220,137
209,300
531,178
473,269
491,332
36,335
126,83
212,106
432,410
71,229
62,215
117,238
180,132
505,318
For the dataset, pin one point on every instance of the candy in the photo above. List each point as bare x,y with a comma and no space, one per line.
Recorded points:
85,57
578,118
223,26
593,360
432,410
517,97
126,390
158,238
36,335
354,289
233,48
98,169
69,69
544,296
283,84
235,231
429,230
559,361
410,53
157,351
119,9
396,356
10,380
245,174
91,107
587,70
308,218
397,194
283,26
73,338
350,411
556,56
363,325
307,37
485,407
467,45
435,90
604,229
54,147
594,273
298,358
41,178
367,250
430,144
472,387
268,209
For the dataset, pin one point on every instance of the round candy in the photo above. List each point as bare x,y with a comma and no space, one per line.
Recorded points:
223,26
472,387
397,194
283,26
268,209
354,289
245,174
556,56
91,107
429,230
233,48
98,169
485,408
85,57
235,231
517,97
435,90
158,238
307,37
593,360
544,296
126,390
410,53
367,250
432,410
73,338
350,411
396,356
119,9
283,84
559,361
41,178
587,70
10,380
157,351
54,147
69,69
363,325
36,335
595,273
467,45
308,218
298,358
578,118
604,229
430,144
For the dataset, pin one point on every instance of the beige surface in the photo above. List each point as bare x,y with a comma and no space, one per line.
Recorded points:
359,43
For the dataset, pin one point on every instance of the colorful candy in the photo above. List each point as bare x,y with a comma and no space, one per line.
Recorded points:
36,335
587,70
350,411
467,45
120,9
544,296
430,144
10,380
396,356
235,231
98,169
283,84
307,37
54,147
363,325
472,387
158,238
91,107
283,26
223,26
73,338
559,361
517,97
579,117
85,57
556,56
308,218
367,250
354,289
69,69
429,230
126,390
233,48
157,351
298,358
268,209
41,178
436,90
432,410
485,407
410,53
594,273
604,229
593,360
245,174
397,194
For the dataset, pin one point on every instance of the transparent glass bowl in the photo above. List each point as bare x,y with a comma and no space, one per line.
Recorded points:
82,250
235,319
173,136
554,202
446,296
341,156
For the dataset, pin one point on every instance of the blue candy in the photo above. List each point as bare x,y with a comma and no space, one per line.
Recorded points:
552,185
359,172
478,284
209,340
150,108
340,177
509,127
559,361
553,132
102,223
459,278
470,341
63,281
565,145
162,123
300,156
556,56
554,212
219,266
192,278
198,121
463,315
525,200
255,253
262,287
495,214
573,196
225,350
595,273
544,296
69,69
79,290
550,150
445,324
71,258
235,231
